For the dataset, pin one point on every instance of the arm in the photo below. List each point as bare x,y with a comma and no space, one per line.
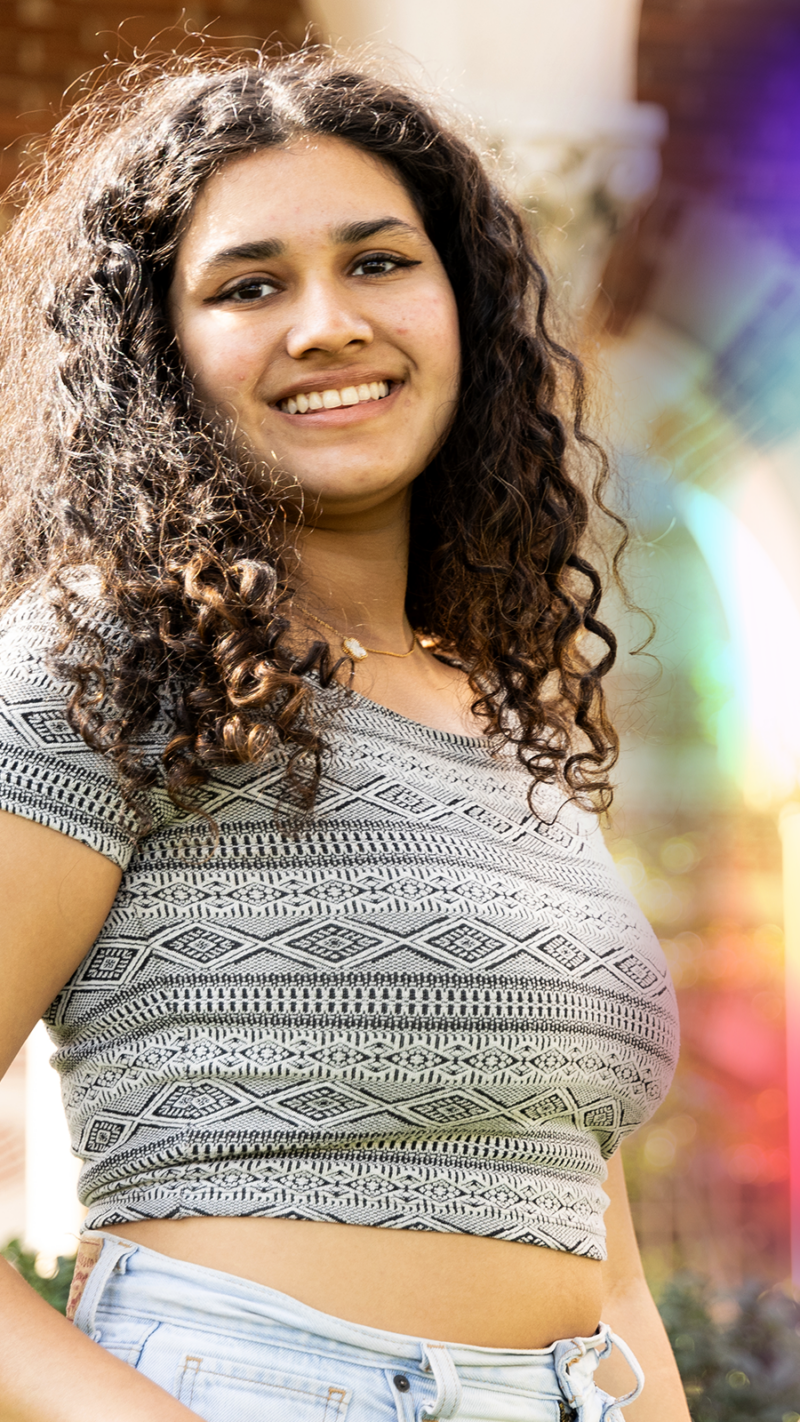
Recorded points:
630,1311
55,894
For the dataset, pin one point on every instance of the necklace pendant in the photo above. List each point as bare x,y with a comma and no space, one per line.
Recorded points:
354,649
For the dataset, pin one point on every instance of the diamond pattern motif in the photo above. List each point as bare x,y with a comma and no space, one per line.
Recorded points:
425,1008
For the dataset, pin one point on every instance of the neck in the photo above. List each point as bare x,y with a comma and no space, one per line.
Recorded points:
354,570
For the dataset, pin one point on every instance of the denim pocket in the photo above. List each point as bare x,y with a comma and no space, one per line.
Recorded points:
124,1338
221,1390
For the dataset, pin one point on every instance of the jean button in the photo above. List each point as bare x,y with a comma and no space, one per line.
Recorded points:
401,1382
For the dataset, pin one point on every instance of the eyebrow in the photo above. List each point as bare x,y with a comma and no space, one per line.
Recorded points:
271,247
361,231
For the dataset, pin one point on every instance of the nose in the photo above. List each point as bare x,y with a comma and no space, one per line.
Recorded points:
326,318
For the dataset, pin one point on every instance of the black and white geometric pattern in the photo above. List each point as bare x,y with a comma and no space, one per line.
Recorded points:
425,1008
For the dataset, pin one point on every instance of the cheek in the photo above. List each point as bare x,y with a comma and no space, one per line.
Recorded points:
431,330
221,362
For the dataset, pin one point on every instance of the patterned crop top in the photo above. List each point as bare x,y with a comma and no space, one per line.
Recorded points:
426,1007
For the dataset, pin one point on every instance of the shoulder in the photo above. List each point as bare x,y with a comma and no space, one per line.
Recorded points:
567,819
32,629
45,632
48,772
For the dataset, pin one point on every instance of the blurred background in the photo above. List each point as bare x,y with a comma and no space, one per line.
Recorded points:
656,146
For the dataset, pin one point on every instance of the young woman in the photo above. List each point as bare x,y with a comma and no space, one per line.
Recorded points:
301,716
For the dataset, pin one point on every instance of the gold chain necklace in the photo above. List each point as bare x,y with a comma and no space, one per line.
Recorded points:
351,645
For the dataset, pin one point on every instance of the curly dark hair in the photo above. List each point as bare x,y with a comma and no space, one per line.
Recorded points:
107,461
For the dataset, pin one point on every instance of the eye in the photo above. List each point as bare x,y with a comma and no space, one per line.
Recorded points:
379,264
251,289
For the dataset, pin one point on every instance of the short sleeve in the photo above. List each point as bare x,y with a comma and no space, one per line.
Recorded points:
47,772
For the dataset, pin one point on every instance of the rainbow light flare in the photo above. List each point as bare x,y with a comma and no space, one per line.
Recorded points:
767,681
751,587
790,832
705,315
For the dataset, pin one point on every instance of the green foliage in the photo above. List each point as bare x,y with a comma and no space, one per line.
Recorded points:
739,1358
54,1290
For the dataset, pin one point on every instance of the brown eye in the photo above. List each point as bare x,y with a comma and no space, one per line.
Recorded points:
255,289
381,264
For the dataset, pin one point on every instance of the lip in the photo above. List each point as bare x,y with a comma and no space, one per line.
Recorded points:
343,414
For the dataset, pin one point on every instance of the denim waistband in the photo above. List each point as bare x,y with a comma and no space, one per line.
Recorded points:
114,1274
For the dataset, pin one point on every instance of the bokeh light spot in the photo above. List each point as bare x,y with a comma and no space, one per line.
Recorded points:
679,855
746,1163
737,1379
659,1150
771,1104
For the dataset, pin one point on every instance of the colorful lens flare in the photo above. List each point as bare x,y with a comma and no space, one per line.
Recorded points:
703,357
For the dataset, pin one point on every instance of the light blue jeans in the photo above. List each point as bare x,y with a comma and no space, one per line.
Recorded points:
233,1351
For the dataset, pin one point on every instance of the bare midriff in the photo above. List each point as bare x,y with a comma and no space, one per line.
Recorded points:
457,1288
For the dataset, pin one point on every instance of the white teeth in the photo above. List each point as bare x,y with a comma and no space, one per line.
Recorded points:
333,399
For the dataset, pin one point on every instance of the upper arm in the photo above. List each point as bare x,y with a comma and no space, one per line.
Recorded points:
55,895
624,1265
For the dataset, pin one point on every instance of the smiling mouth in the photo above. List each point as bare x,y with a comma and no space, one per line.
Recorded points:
305,403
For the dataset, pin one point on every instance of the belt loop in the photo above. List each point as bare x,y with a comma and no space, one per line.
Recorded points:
437,1360
98,1256
633,1364
575,1361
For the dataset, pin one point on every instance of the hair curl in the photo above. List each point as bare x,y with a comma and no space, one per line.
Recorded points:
106,459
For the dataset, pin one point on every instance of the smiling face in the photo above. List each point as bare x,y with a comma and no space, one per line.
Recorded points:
311,308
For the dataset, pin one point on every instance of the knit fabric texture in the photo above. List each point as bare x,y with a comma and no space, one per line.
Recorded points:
428,1006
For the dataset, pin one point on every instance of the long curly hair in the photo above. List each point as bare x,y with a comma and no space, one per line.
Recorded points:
107,460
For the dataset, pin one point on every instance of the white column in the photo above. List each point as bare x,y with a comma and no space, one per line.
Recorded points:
564,58
552,83
52,1212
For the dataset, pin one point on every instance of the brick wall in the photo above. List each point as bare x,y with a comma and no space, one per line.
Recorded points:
45,45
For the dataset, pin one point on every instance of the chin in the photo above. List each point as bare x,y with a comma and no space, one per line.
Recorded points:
350,490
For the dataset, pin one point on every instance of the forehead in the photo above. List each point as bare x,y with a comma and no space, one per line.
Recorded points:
295,194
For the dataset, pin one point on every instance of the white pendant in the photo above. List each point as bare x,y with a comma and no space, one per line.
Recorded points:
354,649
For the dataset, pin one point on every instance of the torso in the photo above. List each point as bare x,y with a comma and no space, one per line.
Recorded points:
492,1283
457,1288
